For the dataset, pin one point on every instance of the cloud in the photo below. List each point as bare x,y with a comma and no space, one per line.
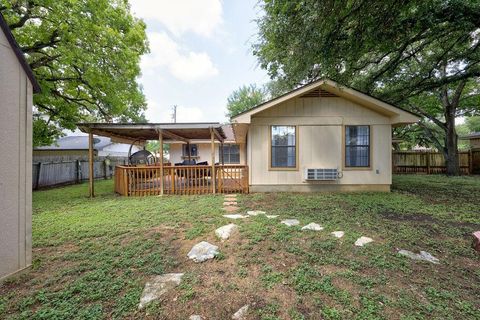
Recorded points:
183,64
202,17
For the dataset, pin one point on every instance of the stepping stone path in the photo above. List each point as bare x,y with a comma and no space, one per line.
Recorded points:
226,231
241,313
195,317
203,251
476,240
338,234
235,216
423,256
313,226
255,213
158,286
230,203
363,241
271,216
231,208
290,222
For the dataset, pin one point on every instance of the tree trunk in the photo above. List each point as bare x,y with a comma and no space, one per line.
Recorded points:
451,143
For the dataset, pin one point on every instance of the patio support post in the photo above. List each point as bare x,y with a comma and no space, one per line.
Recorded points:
90,165
160,150
189,154
212,138
221,153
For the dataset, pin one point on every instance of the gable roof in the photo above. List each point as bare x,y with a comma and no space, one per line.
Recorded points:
19,54
329,88
77,143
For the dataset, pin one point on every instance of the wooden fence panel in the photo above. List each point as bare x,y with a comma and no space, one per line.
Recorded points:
420,162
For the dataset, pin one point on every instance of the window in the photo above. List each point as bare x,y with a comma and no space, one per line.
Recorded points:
193,150
231,153
284,147
357,146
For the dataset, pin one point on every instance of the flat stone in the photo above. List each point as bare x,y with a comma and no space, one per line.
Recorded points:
423,256
195,317
241,313
271,216
255,212
231,208
203,251
158,286
363,241
290,222
230,203
338,234
313,226
235,216
476,240
226,231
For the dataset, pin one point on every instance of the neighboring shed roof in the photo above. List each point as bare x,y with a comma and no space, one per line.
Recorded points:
474,135
330,88
19,54
77,143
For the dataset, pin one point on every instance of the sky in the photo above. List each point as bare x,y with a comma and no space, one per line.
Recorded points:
200,51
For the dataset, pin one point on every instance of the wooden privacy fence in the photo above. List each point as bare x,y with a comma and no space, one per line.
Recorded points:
147,180
54,173
433,162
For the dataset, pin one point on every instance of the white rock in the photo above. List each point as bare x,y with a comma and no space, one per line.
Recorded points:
235,216
158,286
271,216
195,317
255,212
362,241
423,256
241,313
290,222
338,234
203,251
226,231
313,226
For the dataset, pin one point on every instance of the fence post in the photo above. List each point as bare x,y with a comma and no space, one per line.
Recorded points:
428,162
78,171
105,173
37,184
470,162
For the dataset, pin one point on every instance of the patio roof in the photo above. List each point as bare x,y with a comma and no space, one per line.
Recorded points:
123,132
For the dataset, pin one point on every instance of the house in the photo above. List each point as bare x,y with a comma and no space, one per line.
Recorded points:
17,85
321,136
474,140
76,148
230,152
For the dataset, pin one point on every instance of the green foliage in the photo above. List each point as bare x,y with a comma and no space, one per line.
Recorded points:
421,55
473,124
85,55
245,98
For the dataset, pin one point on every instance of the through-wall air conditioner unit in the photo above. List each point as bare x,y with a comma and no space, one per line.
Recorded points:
322,174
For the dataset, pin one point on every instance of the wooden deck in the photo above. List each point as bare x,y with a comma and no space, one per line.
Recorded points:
147,180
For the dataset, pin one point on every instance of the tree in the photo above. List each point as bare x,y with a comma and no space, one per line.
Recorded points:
245,98
85,55
422,55
473,124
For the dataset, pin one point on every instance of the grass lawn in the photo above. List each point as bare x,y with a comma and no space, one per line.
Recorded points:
91,258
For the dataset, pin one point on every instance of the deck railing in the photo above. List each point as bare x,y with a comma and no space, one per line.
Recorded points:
147,180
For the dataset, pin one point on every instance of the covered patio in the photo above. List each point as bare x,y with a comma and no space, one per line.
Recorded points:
160,178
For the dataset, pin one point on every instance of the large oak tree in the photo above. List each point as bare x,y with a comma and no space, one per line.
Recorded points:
85,54
422,55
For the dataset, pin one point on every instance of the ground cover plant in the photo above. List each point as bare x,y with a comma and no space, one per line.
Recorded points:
92,257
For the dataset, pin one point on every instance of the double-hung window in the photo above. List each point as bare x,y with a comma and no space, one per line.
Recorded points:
231,153
357,146
284,147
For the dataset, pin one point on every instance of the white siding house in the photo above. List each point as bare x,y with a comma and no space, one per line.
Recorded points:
17,86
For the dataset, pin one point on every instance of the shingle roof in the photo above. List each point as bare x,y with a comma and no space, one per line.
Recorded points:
19,54
77,143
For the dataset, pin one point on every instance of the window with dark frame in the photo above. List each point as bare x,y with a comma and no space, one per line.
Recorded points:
357,146
231,153
284,147
193,150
